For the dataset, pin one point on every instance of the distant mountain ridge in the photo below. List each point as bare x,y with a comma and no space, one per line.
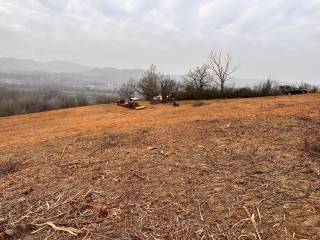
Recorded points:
28,65
69,71
26,71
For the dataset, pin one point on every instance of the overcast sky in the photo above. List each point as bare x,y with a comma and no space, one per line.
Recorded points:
277,37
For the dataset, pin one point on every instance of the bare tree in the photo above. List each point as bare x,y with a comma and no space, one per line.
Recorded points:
198,79
128,89
221,67
148,85
167,85
267,86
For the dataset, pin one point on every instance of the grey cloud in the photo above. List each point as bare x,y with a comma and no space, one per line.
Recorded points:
278,37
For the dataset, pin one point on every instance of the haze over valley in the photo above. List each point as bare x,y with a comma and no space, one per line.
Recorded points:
26,73
63,74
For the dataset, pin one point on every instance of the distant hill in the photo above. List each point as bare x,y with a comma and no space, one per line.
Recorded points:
27,65
26,71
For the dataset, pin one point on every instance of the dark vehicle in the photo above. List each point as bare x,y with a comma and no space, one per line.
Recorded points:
289,90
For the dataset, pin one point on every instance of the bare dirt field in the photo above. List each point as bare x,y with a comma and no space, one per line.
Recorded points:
230,169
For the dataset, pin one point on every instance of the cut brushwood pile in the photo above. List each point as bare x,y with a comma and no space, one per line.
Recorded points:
229,169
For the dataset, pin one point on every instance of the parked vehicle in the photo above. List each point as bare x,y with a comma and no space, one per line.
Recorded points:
157,98
289,90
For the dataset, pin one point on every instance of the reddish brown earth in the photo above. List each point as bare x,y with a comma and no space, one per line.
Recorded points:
230,169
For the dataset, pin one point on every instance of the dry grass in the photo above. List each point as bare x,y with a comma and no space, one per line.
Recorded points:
198,103
312,141
8,167
232,169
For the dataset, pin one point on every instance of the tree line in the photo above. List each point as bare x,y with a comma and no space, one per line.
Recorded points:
15,102
207,81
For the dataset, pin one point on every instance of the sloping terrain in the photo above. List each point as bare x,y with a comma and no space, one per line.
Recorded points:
230,169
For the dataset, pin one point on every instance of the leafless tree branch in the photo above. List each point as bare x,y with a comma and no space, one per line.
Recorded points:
221,66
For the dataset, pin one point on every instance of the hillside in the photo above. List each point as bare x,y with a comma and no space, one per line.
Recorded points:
63,74
230,169
28,65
